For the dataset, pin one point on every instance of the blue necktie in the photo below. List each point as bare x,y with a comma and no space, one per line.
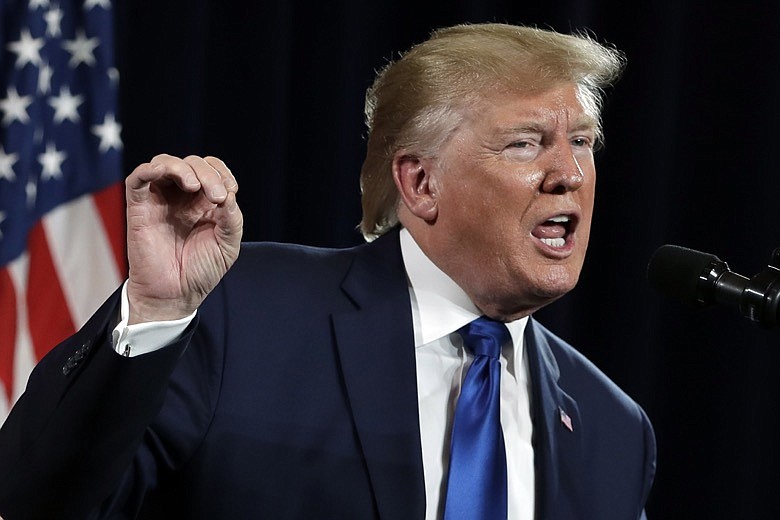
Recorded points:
476,487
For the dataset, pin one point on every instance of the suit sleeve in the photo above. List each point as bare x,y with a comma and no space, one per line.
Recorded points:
650,461
72,436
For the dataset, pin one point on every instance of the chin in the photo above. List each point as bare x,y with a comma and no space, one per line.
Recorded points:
526,298
555,284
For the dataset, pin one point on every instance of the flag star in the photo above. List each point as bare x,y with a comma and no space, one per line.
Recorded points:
14,107
34,4
32,193
66,106
109,133
44,78
81,49
113,75
7,161
89,4
27,49
53,19
51,160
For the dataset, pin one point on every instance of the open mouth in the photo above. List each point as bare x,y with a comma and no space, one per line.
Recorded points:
556,231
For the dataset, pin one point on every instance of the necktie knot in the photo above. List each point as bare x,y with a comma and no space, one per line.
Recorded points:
484,337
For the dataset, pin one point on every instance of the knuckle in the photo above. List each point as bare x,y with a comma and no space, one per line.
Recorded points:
161,157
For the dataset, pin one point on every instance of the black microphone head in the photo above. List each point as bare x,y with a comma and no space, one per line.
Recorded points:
677,272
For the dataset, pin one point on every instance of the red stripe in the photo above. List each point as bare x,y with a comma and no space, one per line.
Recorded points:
48,315
7,331
110,203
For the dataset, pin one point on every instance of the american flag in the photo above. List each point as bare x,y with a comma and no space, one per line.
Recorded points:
61,199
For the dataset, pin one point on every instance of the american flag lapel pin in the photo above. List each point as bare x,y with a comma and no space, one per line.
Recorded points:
565,419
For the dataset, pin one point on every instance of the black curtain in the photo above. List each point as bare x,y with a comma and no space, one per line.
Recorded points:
275,88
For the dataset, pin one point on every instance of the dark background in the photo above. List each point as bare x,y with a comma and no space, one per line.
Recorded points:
276,88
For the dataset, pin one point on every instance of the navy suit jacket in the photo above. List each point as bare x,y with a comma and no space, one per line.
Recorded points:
293,395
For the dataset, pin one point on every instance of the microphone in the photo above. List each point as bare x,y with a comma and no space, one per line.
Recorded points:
703,279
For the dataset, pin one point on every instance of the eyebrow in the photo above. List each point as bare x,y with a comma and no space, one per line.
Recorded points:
582,123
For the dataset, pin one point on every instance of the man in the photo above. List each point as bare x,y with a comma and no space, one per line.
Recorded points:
313,383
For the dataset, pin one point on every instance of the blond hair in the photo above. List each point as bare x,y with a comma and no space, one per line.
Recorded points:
417,102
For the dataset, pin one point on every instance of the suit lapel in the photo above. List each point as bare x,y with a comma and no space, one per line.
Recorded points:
557,432
376,348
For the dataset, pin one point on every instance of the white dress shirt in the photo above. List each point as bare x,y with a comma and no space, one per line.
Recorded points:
439,309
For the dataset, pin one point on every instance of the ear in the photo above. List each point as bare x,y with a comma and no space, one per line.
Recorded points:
413,181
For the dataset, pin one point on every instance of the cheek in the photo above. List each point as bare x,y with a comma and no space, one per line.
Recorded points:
584,227
589,190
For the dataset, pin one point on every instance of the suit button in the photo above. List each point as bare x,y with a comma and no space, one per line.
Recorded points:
76,358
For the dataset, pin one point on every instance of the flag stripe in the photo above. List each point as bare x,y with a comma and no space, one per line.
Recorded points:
108,200
49,319
86,273
24,358
7,333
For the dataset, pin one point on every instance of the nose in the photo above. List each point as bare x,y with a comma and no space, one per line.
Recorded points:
564,174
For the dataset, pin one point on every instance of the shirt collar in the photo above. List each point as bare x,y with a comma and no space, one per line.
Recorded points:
439,305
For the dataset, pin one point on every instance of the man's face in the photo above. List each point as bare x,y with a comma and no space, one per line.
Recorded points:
514,188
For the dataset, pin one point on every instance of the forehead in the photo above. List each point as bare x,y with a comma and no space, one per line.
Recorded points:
507,110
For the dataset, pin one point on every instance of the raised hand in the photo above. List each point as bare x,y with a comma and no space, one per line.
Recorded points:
183,234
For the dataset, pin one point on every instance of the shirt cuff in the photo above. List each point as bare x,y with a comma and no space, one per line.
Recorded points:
142,338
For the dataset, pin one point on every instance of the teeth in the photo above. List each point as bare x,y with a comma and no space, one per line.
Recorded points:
554,242
560,218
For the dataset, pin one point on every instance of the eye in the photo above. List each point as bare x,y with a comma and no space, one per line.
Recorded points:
582,142
525,142
523,148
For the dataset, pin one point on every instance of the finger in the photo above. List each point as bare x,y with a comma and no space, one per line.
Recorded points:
209,177
229,224
178,170
163,168
229,219
228,179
